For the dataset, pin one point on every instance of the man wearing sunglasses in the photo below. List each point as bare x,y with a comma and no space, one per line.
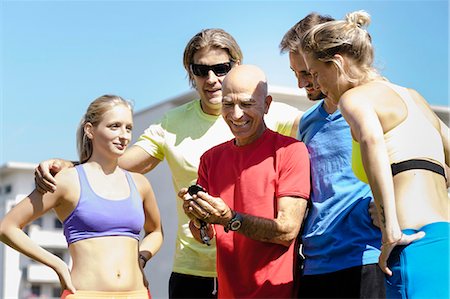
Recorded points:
219,70
182,136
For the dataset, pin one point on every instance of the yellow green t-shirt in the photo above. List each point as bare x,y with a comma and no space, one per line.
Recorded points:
181,137
357,165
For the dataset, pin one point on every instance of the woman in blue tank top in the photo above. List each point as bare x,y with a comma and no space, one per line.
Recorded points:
404,150
103,209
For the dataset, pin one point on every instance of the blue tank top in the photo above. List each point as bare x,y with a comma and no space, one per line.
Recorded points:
338,231
95,216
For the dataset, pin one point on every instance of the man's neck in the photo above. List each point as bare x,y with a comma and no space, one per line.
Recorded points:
209,110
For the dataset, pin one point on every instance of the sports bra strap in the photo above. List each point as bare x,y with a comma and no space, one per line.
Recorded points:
417,164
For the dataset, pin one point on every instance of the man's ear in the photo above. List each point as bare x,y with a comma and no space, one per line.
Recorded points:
237,62
267,103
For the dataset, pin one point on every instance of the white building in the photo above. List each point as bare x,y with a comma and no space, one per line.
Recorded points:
20,277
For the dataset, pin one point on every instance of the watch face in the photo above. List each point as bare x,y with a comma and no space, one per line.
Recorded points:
235,225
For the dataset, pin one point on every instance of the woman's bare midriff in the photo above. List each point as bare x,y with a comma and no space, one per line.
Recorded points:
106,264
421,198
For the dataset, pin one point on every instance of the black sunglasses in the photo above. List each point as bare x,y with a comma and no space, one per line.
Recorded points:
220,69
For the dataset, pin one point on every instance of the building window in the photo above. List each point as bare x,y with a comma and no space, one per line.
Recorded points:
35,290
8,189
38,222
56,292
58,223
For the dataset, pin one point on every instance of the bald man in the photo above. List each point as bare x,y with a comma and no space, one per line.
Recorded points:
257,186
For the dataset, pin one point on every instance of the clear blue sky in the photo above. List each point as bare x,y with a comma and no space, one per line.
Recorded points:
57,56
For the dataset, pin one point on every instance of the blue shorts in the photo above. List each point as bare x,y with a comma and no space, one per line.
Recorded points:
421,269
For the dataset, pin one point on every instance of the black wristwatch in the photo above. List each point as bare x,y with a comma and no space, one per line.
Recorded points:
235,223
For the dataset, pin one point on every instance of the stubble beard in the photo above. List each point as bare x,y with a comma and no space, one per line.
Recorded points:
316,97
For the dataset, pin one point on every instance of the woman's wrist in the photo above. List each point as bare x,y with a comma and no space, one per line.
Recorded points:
143,258
385,243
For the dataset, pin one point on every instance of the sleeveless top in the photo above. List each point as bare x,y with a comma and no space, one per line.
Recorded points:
414,138
95,216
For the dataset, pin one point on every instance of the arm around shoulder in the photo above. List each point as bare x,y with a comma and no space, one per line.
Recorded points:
45,172
136,159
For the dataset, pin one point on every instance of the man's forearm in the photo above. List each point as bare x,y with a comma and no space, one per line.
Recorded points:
270,230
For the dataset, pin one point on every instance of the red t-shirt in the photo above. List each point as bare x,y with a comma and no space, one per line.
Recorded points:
250,179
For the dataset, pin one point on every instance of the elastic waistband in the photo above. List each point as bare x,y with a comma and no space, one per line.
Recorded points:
435,229
143,294
417,164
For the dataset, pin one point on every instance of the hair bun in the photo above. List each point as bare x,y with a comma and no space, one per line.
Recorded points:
359,18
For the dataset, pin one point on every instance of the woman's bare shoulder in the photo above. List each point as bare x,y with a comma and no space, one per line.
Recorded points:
67,174
67,178
142,183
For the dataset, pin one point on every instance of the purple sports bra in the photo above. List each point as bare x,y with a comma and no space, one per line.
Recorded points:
95,216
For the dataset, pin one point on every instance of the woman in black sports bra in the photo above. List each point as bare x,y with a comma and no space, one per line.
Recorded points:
404,149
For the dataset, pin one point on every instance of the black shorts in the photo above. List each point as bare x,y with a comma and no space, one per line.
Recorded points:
356,282
190,286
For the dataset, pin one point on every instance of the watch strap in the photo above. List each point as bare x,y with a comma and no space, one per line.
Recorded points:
235,222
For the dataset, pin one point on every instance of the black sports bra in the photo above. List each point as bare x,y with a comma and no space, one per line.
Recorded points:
417,164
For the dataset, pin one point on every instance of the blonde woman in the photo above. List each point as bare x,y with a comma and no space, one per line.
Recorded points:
103,209
404,149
